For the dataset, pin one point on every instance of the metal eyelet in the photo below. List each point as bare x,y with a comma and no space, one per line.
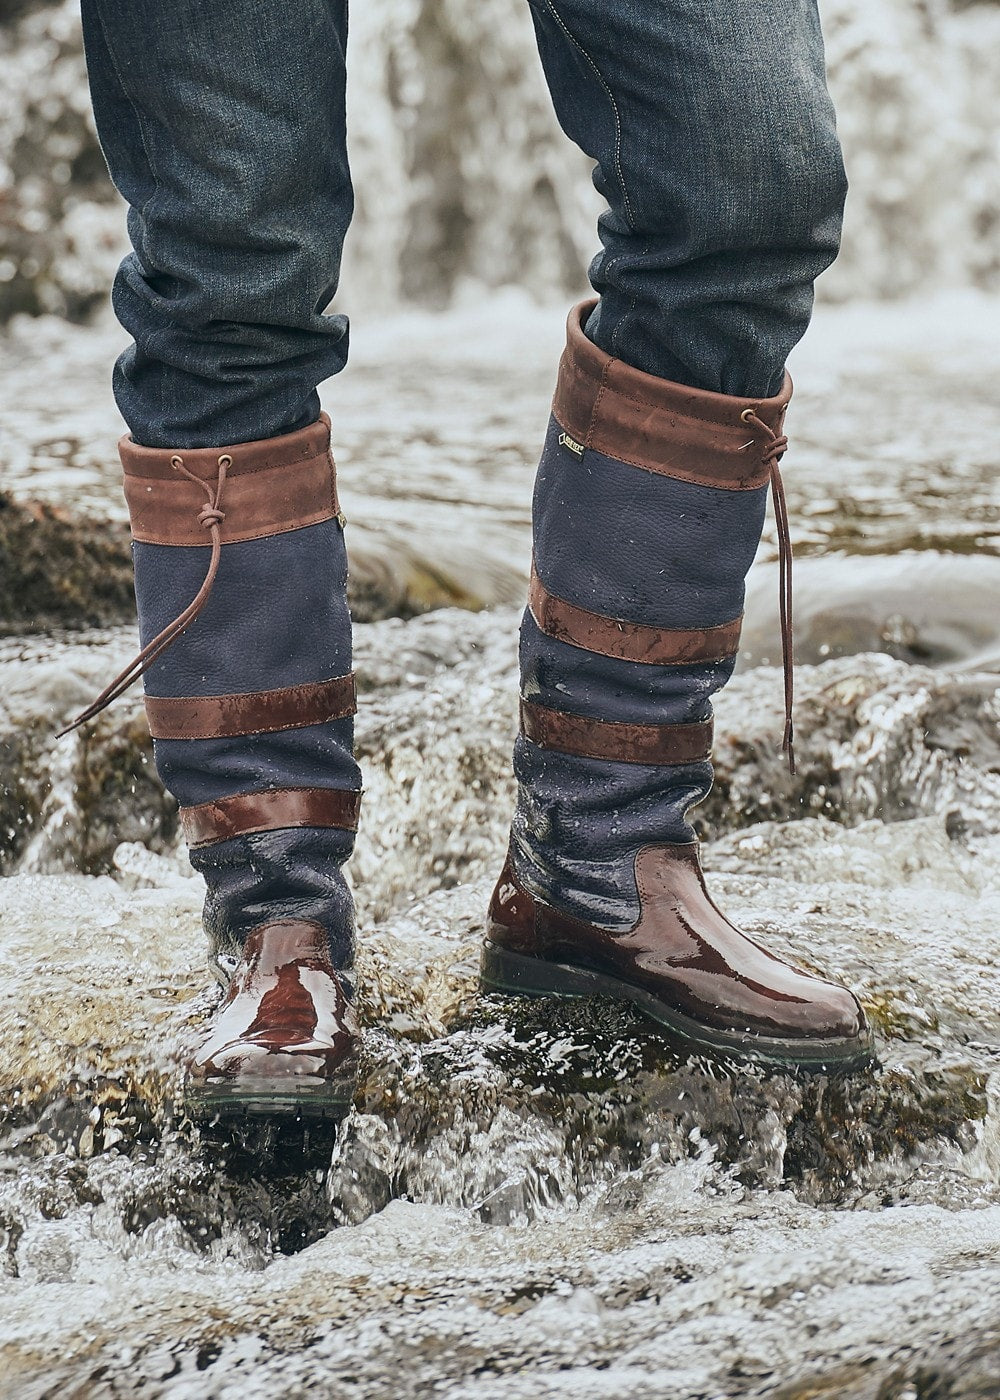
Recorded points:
747,414
176,462
225,460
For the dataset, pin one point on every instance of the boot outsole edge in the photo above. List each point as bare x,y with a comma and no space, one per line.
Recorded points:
514,974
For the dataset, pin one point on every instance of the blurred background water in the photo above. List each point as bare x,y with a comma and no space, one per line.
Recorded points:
463,177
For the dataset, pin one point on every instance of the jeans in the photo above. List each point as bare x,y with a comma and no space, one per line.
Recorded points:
223,125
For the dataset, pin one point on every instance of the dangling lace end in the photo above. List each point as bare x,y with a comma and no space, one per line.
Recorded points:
788,748
92,711
210,517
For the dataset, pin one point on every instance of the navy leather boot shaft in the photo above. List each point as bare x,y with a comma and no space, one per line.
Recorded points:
647,516
251,706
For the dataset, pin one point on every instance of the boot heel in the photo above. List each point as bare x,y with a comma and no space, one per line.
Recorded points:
501,971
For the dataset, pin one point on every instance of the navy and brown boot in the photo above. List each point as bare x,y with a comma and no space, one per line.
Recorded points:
648,510
241,577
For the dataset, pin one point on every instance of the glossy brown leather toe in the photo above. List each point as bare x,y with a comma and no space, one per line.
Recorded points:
285,1038
683,962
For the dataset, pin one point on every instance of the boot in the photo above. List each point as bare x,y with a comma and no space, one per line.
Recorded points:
648,509
241,576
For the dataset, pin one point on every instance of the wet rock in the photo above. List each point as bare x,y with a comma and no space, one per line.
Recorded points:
108,987
923,607
63,572
69,803
60,571
666,1199
874,738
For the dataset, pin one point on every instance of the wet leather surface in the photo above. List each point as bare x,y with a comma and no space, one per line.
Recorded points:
251,712
285,1016
664,427
683,951
277,809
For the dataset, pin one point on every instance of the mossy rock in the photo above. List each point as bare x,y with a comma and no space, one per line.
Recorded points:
60,571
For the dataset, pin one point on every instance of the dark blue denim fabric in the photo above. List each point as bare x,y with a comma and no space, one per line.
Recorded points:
717,152
223,126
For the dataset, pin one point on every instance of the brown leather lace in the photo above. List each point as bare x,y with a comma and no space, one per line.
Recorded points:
772,453
210,517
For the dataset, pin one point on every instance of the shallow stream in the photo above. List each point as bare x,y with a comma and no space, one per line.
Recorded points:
532,1199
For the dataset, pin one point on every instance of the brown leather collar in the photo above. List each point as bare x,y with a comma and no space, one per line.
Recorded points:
272,486
218,496
671,429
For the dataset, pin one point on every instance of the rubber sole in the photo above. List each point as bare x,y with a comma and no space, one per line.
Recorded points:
264,1099
516,975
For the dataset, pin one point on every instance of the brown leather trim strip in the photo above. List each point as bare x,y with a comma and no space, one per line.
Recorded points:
668,428
629,641
272,486
619,743
254,712
270,811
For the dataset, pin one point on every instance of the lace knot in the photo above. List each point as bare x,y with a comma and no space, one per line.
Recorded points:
211,515
775,450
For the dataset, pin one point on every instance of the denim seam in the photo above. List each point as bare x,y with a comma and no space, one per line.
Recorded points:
616,334
136,113
549,5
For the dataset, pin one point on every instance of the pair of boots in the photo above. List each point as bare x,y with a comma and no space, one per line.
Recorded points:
648,508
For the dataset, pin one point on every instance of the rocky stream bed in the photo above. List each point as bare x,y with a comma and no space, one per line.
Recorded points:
526,1199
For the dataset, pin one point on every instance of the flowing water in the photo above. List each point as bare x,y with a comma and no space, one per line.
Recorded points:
531,1199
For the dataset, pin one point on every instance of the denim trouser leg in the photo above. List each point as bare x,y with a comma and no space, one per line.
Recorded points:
223,125
716,149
